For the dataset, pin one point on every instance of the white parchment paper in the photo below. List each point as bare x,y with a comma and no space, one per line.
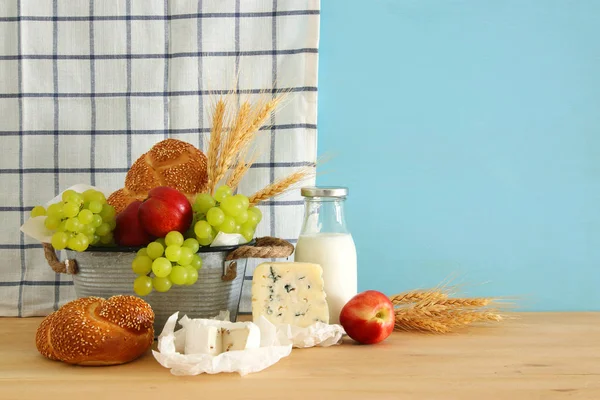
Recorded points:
170,355
276,342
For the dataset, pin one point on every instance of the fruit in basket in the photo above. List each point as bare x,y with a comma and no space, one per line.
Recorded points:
162,267
222,192
38,211
167,262
155,250
203,203
142,265
174,238
129,230
161,284
202,230
215,216
142,285
225,213
368,317
79,220
191,244
165,210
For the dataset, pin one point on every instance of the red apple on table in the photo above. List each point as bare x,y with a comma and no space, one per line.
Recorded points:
368,317
129,231
165,210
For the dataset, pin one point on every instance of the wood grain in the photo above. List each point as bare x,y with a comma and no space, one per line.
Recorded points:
534,356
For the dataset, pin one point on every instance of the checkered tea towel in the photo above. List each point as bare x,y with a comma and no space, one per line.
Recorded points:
88,86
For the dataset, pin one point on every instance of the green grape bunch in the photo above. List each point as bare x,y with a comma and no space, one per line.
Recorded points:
172,260
79,220
168,261
223,212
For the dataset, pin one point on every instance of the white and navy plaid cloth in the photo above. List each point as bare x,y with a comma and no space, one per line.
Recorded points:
88,86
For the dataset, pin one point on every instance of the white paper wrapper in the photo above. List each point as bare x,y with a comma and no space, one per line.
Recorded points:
228,239
318,334
170,355
34,227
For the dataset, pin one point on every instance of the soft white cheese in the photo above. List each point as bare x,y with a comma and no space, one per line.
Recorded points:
240,336
212,337
203,339
289,293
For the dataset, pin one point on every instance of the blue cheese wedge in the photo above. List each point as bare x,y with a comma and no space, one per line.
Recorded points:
289,293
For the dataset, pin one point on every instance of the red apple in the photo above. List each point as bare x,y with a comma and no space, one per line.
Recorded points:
129,231
165,210
368,317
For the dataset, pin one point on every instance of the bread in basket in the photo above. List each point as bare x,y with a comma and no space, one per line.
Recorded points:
170,162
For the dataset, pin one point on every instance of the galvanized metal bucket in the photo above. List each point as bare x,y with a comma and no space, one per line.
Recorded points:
106,272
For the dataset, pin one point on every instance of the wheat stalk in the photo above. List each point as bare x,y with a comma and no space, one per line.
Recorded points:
237,173
417,311
243,133
416,295
468,317
466,302
442,319
433,311
215,142
243,126
262,112
234,142
280,186
422,325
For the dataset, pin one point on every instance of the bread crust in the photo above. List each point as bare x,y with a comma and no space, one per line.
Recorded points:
42,337
170,162
95,331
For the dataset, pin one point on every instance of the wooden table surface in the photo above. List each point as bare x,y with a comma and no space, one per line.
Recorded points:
534,356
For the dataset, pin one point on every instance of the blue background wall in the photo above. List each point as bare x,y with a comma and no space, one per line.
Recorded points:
469,135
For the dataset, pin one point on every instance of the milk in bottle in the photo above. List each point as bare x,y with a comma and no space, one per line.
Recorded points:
325,240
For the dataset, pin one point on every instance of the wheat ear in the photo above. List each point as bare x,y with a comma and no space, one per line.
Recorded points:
262,112
416,295
237,173
434,311
233,143
215,143
440,318
422,325
281,186
466,302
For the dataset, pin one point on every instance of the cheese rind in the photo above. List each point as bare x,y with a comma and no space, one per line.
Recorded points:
289,293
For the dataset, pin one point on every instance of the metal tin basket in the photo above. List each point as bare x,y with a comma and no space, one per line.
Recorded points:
105,272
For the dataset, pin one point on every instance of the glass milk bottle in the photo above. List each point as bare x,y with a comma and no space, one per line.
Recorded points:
325,240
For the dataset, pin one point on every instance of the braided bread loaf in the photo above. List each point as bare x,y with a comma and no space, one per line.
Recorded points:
95,331
172,163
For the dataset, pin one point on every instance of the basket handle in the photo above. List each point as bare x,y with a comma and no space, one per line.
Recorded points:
265,247
66,267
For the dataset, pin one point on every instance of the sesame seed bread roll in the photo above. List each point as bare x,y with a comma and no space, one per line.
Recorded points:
171,163
95,331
